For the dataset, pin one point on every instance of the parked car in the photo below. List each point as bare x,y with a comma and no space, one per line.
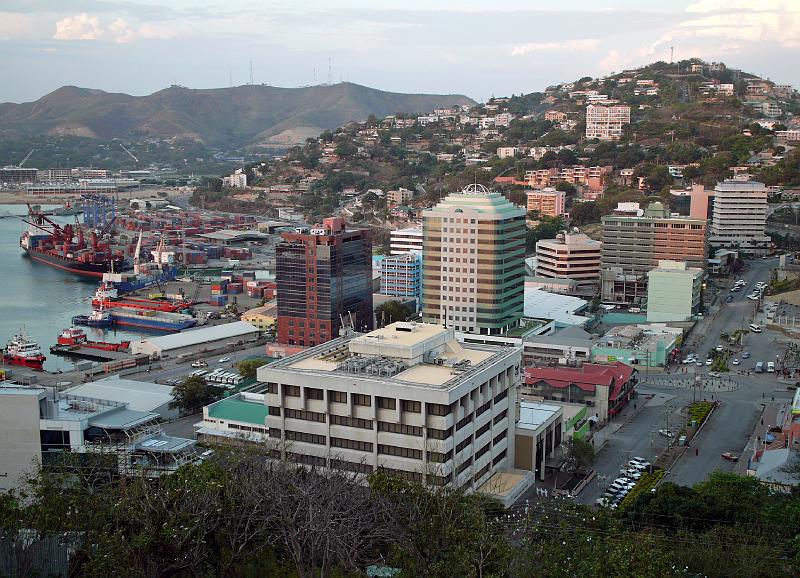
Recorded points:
720,349
736,361
709,361
199,363
224,359
699,363
713,374
745,355
755,328
730,457
666,433
729,299
753,297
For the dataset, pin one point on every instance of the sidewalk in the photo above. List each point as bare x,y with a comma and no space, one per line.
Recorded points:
772,414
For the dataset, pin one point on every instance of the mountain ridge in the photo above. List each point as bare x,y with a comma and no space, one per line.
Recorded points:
236,116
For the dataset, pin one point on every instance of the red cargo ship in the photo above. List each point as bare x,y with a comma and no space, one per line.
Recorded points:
52,244
106,297
22,351
73,337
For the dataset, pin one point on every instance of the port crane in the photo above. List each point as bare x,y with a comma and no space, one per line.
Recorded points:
27,156
130,154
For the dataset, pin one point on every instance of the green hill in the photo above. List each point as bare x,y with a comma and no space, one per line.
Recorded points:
230,117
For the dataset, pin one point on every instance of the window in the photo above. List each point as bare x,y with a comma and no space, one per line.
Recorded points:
361,399
483,450
301,436
464,421
351,444
337,396
409,430
314,393
499,458
464,444
291,390
272,388
483,429
403,474
305,415
499,417
305,459
351,466
411,406
438,457
463,466
399,452
501,396
351,421
438,409
386,402
439,434
274,410
483,408
499,437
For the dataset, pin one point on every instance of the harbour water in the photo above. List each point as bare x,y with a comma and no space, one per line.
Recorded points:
39,299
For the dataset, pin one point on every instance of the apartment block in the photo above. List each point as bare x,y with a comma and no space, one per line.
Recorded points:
408,399
739,217
633,245
577,175
399,197
547,202
571,256
673,292
401,276
606,122
323,275
474,261
555,116
405,240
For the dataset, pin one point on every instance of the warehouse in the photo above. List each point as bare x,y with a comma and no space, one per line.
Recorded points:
138,395
196,340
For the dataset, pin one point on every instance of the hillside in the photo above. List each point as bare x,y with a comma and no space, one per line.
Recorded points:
223,117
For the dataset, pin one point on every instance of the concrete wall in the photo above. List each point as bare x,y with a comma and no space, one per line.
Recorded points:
20,451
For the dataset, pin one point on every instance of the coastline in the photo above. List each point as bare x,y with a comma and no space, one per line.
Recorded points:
20,198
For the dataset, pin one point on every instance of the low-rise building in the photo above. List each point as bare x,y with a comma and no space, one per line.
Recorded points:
605,389
547,202
651,345
538,434
240,417
238,180
407,398
563,309
196,340
567,346
262,318
571,256
405,240
673,292
399,197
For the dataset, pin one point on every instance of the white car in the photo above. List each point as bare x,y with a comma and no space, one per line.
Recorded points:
735,361
753,297
709,361
713,374
690,360
224,359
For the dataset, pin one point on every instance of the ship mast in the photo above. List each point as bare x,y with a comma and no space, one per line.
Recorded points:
136,255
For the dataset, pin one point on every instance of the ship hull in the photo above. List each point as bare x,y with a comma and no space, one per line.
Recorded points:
84,320
155,324
32,362
89,270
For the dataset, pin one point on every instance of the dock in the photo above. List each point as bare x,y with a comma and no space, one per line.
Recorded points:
89,353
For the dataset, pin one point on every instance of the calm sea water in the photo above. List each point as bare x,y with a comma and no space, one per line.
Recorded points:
38,298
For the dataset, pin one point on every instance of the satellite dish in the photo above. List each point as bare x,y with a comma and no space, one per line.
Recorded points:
639,212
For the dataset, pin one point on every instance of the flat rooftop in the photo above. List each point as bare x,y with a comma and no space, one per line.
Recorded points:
409,353
533,415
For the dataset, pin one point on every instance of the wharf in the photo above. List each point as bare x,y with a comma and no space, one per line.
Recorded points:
89,353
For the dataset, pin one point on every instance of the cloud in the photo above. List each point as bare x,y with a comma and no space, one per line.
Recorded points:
14,25
80,27
577,45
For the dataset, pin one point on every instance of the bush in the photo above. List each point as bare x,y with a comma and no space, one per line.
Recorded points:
699,411
646,483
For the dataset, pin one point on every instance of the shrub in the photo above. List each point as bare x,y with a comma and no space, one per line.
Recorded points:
699,411
646,483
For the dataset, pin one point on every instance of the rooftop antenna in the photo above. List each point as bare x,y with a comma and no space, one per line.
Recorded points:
330,81
314,82
251,71
671,54
230,78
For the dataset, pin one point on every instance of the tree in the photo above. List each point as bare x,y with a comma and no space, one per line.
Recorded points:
194,393
579,454
584,213
247,367
392,311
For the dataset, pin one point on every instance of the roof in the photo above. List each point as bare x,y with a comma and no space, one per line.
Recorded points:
770,466
571,335
201,335
121,418
237,409
534,415
163,444
234,235
561,308
586,377
139,395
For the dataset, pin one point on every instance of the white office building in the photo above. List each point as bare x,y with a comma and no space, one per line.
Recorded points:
606,122
739,218
405,241
407,398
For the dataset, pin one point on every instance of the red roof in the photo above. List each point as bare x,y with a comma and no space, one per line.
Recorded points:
587,377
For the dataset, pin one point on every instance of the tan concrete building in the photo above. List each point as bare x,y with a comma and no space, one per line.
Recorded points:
571,256
606,122
407,398
473,262
547,202
740,217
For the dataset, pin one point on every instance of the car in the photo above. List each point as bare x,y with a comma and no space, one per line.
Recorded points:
729,299
690,359
720,349
713,374
224,359
634,474
634,310
754,297
666,433
736,361
730,457
199,363
745,355
699,363
709,361
755,328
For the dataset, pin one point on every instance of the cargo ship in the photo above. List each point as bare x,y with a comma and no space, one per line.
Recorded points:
154,320
22,351
74,337
65,247
143,275
107,297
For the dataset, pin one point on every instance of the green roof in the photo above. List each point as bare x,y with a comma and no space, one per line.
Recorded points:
234,409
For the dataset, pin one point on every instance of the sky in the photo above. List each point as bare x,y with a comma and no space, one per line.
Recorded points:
479,48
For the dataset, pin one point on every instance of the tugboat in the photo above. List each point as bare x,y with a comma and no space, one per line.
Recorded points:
74,337
22,351
97,318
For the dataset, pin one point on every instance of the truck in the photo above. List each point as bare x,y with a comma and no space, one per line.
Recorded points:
771,367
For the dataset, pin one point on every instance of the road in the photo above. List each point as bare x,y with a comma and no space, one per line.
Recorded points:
741,397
